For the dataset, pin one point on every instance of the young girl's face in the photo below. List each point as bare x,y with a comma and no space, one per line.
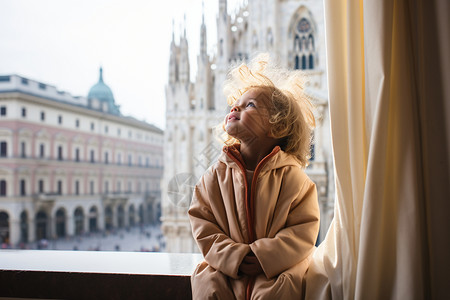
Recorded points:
249,117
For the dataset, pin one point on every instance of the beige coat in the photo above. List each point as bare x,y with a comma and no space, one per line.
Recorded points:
279,223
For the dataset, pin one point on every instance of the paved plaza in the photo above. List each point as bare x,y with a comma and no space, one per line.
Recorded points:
146,238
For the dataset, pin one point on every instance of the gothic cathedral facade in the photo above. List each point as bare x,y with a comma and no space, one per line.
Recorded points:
292,31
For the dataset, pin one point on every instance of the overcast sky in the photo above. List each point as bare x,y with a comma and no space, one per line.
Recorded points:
63,43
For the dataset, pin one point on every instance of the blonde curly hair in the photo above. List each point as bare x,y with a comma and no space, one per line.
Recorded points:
290,110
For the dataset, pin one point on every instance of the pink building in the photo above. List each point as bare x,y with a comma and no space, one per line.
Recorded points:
70,165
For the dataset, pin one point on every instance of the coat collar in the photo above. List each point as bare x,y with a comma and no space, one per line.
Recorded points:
278,158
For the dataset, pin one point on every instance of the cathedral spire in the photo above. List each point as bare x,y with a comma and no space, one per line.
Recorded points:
173,60
203,12
185,25
203,37
184,68
223,10
173,31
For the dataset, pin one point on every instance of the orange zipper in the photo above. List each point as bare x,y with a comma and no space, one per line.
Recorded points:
250,205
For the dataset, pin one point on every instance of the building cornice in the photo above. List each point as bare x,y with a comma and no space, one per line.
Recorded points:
53,103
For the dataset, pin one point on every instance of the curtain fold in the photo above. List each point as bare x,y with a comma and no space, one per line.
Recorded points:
388,74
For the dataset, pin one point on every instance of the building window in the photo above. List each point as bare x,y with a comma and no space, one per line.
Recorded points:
24,81
106,187
129,159
23,191
119,158
106,157
41,150
311,61
92,126
92,156
42,86
147,162
77,154
77,187
91,187
3,149
41,186
140,160
3,110
129,186
119,187
23,149
42,115
59,185
59,119
106,129
24,112
118,132
129,133
2,187
77,123
60,153
303,48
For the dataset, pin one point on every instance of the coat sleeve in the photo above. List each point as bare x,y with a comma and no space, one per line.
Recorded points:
220,251
296,241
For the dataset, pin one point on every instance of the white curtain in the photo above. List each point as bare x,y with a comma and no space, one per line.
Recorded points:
389,92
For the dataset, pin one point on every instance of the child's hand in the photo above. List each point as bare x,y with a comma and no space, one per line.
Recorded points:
250,265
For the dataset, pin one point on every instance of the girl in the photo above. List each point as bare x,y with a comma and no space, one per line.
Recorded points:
255,213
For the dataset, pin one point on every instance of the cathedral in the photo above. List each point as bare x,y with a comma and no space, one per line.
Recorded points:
292,32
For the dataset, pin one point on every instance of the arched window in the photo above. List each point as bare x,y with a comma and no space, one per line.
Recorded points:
79,220
24,227
141,214
120,217
60,223
93,215
303,37
108,218
131,217
41,225
297,45
4,227
311,42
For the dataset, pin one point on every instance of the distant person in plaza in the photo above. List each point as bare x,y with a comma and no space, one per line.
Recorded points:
255,213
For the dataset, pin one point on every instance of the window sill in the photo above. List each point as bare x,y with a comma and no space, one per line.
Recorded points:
96,274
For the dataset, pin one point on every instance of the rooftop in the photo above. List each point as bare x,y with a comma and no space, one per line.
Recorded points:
15,83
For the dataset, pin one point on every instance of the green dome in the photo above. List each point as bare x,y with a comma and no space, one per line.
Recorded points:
102,92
